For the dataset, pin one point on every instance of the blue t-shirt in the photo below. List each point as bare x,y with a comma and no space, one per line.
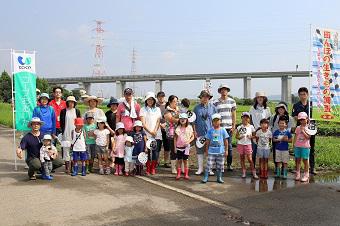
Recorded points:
216,138
281,145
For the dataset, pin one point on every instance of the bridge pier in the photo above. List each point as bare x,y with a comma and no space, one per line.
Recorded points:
120,86
86,86
247,87
158,86
286,88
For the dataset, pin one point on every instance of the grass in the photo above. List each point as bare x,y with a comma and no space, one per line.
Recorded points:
6,115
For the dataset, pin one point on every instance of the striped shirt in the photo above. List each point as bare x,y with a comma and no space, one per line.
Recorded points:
225,109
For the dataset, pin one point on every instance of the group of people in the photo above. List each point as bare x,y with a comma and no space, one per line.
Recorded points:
130,136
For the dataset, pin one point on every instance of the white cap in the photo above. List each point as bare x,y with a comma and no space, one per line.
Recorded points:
138,123
183,116
129,138
47,137
101,119
150,95
216,116
120,125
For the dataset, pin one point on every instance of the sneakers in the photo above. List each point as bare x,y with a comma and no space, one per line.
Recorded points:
305,177
254,175
211,173
101,171
108,171
244,171
297,175
33,177
230,168
44,177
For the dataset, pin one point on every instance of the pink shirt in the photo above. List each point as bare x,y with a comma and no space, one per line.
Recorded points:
301,140
120,146
126,119
183,136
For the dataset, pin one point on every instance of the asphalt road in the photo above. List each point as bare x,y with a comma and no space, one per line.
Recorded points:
157,200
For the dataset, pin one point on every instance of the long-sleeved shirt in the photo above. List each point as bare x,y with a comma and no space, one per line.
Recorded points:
47,115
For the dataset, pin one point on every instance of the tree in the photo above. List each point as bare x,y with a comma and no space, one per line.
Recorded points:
43,85
5,87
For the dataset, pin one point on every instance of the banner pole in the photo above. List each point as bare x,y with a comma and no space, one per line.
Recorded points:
13,115
310,71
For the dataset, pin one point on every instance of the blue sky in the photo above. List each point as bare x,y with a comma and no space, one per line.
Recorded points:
170,36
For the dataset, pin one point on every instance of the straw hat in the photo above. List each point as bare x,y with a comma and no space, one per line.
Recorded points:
71,98
260,94
99,100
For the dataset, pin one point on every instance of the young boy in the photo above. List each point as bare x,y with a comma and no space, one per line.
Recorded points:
216,148
90,141
282,137
263,138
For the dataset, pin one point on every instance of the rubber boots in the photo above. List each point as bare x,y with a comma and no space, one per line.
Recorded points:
173,166
148,168
83,170
179,171
75,171
153,167
285,174
278,172
219,177
200,164
186,174
205,177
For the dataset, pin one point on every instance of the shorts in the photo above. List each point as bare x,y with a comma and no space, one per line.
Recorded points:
282,156
119,161
101,150
215,159
244,149
263,152
301,152
181,155
91,151
79,155
66,154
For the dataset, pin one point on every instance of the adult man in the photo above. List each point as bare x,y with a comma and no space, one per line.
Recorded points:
32,142
303,106
226,107
128,110
204,110
58,104
161,102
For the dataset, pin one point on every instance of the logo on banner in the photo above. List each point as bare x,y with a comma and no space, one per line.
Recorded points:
24,64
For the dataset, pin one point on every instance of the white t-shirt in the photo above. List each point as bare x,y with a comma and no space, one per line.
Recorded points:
101,136
245,131
78,141
258,114
264,137
151,115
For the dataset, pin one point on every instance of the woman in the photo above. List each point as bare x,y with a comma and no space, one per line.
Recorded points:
171,120
93,102
258,111
67,117
150,115
281,109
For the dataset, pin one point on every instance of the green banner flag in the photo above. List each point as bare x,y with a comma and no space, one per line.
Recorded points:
24,89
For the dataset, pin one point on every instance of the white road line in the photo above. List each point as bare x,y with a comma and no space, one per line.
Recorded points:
192,195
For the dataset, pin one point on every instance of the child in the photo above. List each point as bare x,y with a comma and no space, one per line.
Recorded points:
139,140
102,143
216,148
302,147
282,137
119,148
185,104
129,164
244,135
184,135
47,153
90,141
263,138
78,147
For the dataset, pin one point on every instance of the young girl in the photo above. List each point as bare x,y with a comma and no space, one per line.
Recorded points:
78,147
102,143
139,140
184,135
90,140
119,148
129,164
263,138
244,135
47,154
302,147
